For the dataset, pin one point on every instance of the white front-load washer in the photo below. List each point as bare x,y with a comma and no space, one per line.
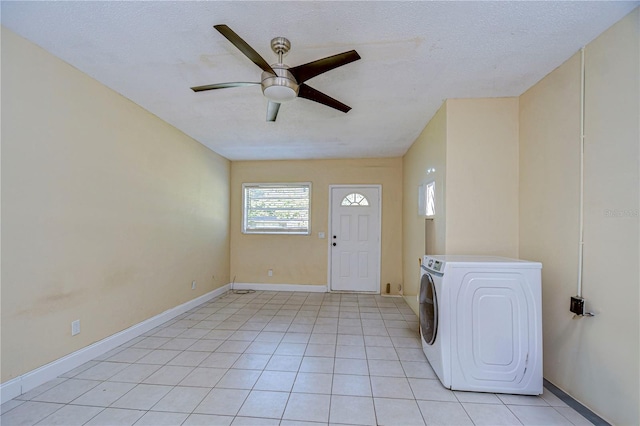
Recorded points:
480,323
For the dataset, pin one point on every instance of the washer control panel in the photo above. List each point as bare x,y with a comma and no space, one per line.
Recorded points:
433,264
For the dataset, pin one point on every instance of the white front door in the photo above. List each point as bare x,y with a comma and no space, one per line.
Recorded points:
355,238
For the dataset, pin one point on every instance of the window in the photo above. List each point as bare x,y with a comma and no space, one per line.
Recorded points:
427,199
281,208
355,199
430,197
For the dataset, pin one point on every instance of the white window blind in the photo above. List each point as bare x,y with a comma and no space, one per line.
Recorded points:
276,208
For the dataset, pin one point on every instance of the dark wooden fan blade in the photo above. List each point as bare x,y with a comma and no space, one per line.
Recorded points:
312,94
305,72
272,110
223,86
243,47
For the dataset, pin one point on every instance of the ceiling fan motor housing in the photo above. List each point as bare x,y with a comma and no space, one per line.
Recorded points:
282,86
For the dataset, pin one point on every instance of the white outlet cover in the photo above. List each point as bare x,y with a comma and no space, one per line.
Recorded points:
320,234
75,327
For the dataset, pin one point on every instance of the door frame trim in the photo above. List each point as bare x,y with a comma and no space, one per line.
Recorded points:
329,230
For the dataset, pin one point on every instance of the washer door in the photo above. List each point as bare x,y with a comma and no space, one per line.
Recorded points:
428,309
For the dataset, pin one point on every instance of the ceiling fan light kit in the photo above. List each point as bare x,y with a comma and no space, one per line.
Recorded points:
281,86
279,82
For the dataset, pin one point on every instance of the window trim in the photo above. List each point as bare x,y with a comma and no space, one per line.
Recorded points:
273,231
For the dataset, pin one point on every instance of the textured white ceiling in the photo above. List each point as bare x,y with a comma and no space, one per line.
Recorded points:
414,55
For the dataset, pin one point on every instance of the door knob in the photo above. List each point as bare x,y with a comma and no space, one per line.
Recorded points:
334,244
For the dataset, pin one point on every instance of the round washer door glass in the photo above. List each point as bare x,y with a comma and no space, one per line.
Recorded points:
428,309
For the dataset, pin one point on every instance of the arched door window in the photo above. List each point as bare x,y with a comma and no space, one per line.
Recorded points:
354,200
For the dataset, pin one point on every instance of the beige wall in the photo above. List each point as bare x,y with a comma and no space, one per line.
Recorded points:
108,213
593,359
473,146
482,177
427,153
302,259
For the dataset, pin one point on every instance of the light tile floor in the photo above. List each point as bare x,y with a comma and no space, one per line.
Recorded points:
275,358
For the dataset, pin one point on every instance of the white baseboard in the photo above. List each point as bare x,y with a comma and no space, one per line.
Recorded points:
280,287
34,378
10,389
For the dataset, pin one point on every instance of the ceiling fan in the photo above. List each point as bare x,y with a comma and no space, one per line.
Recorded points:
281,83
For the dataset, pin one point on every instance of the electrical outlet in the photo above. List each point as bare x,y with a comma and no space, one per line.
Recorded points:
270,272
577,305
193,285
75,327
